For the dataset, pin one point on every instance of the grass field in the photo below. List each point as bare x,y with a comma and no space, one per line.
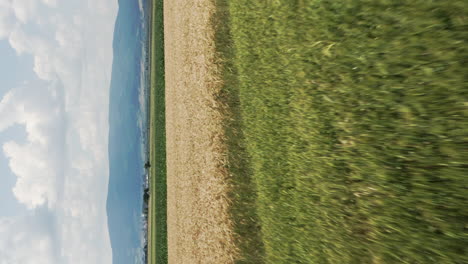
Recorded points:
348,130
157,237
243,209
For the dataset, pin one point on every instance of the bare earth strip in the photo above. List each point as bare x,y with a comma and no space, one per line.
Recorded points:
199,229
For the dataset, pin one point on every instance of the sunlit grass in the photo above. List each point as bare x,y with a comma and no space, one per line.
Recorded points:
355,119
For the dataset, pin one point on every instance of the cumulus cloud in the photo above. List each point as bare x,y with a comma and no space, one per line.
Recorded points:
62,166
37,163
36,180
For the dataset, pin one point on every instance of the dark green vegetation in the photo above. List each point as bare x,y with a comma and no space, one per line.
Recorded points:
158,198
350,130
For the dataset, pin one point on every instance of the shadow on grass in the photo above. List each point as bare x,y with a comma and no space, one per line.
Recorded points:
243,192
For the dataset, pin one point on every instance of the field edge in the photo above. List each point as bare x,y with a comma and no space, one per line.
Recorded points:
157,237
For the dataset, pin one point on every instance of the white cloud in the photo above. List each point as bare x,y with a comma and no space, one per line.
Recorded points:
140,6
26,240
35,163
6,20
18,41
43,67
24,9
51,3
35,185
63,164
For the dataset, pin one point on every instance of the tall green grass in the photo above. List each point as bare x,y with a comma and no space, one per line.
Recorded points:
158,189
355,118
243,209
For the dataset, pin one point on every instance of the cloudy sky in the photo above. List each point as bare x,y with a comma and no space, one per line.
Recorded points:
55,68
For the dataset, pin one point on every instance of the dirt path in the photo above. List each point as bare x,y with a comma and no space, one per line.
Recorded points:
199,229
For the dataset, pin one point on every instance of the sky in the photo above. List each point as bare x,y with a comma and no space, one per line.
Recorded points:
55,68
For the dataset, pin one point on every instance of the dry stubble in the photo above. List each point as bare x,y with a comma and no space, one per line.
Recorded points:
199,228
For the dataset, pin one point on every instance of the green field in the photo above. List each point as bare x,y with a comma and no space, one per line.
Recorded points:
157,232
348,129
243,196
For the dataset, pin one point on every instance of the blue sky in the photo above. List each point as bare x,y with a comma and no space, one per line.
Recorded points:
55,68
14,70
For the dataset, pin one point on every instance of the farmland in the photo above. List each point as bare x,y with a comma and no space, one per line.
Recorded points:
349,132
335,132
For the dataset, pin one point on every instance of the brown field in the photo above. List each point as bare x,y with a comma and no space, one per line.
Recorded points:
199,228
